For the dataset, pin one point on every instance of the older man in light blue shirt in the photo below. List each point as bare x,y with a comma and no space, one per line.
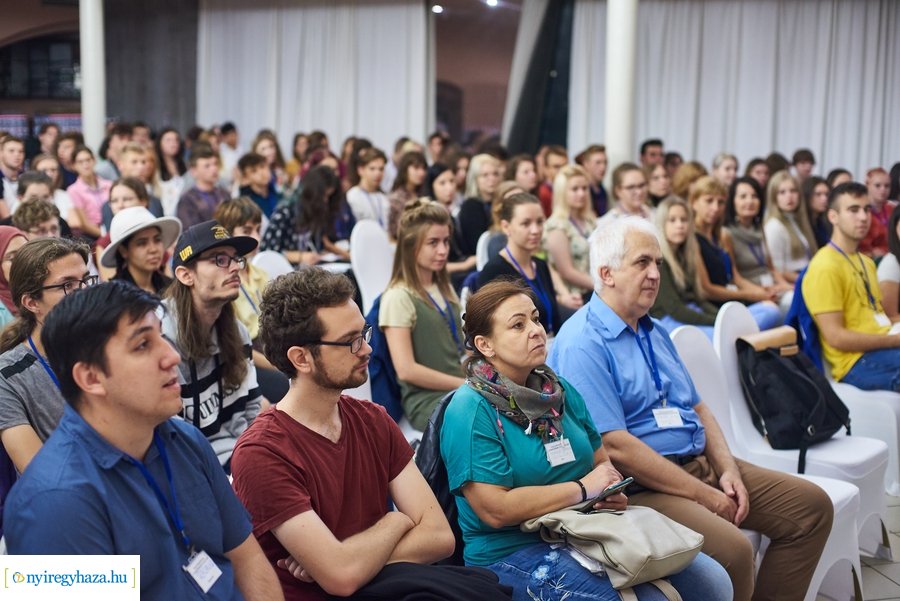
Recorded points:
657,429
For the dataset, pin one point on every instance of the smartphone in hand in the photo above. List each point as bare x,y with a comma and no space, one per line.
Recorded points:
608,491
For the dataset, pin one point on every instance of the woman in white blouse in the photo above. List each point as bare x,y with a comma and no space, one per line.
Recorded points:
788,233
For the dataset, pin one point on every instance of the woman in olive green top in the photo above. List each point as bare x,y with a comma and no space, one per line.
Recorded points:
680,300
420,313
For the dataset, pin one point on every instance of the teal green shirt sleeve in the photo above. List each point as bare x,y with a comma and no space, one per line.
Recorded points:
471,443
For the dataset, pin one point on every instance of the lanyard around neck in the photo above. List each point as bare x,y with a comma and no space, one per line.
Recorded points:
862,273
650,360
536,286
451,323
249,299
171,510
43,363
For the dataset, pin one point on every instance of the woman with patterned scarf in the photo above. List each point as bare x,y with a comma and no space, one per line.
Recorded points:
518,442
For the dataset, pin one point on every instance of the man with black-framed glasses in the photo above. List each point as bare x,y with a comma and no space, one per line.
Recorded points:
219,391
314,470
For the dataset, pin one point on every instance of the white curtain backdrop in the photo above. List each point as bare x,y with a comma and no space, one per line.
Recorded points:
530,20
750,77
344,66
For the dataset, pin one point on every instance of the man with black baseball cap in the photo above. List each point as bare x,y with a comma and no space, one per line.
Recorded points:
219,393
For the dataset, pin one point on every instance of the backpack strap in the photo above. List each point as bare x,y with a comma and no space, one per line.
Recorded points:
664,586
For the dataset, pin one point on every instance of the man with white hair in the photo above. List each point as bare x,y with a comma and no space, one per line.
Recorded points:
656,428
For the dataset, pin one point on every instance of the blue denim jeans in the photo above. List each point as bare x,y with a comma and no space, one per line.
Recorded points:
541,573
670,323
766,314
876,370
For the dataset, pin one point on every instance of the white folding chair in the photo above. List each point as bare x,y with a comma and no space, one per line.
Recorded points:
830,576
273,263
859,460
372,256
481,250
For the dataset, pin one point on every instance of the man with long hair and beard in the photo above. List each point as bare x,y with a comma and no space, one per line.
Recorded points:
219,392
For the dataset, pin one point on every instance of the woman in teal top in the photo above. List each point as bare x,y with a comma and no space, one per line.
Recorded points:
518,442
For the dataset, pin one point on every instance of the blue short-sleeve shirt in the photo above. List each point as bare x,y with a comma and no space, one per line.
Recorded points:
82,496
480,445
599,354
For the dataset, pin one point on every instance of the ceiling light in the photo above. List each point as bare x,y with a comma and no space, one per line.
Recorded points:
437,9
491,3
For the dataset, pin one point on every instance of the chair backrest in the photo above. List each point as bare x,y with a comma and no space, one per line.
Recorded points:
273,263
703,365
733,321
431,464
481,250
372,258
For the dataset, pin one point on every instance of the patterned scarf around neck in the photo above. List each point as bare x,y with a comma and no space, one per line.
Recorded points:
537,407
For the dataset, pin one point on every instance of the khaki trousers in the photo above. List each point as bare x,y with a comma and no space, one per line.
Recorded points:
795,514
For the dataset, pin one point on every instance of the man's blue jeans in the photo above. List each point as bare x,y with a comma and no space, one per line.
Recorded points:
876,370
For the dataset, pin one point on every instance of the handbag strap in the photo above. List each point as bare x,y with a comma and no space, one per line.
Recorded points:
664,586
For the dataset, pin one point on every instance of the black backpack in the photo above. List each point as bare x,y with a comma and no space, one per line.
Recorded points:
792,404
431,464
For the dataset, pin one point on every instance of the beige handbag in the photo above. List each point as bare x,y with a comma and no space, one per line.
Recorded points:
635,546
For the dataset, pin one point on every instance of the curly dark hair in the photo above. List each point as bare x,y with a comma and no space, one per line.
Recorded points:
288,313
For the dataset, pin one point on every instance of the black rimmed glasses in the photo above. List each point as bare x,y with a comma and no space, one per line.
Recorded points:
224,261
355,344
73,285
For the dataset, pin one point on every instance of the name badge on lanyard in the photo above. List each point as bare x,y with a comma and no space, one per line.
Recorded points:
881,319
559,452
203,570
667,417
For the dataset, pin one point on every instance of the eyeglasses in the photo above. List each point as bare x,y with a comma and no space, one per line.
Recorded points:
224,261
72,285
634,187
355,344
44,232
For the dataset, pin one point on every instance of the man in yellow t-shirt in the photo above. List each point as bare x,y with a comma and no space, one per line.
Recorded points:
842,294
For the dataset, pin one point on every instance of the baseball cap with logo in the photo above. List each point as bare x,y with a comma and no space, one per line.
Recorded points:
201,237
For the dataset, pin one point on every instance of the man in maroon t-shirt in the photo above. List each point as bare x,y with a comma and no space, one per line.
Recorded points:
315,471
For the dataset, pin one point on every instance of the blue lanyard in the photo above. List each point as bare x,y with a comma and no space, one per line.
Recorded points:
249,300
536,286
862,273
377,211
756,248
448,317
44,363
650,360
171,510
577,227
